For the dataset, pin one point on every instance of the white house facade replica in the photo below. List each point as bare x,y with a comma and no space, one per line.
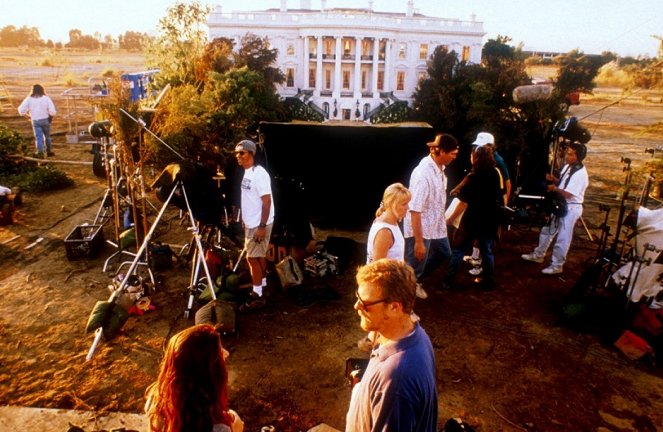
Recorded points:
347,63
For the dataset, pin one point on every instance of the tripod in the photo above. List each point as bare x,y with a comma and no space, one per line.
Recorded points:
117,293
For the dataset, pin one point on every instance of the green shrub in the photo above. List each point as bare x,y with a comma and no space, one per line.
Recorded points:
41,179
11,143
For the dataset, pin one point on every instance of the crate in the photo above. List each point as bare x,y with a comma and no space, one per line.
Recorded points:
84,241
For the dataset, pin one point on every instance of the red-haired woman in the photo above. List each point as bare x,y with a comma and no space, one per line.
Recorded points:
191,392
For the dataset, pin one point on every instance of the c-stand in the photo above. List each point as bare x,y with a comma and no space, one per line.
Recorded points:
117,293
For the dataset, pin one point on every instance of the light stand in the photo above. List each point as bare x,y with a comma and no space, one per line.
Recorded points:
142,249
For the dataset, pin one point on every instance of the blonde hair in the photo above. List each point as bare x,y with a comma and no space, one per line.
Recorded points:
394,278
394,194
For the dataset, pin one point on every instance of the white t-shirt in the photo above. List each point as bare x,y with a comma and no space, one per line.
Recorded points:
255,184
577,184
39,108
428,186
396,251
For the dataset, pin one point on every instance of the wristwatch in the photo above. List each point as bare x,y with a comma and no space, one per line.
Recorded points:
262,225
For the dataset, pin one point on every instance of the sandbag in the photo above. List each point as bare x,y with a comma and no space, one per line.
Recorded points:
219,313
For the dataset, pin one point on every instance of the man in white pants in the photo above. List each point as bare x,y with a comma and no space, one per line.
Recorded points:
572,185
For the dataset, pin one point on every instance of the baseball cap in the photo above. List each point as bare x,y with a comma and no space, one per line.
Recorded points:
246,145
484,138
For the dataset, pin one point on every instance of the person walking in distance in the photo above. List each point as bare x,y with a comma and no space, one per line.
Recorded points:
257,208
425,229
398,390
41,110
571,186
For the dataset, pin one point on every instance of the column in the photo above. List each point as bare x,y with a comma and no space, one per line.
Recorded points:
374,72
337,68
357,80
306,63
387,66
318,68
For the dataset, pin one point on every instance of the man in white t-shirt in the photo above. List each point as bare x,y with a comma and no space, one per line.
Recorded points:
571,185
257,211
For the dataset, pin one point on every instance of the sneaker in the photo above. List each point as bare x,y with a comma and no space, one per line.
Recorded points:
532,257
475,262
551,270
421,293
253,303
476,271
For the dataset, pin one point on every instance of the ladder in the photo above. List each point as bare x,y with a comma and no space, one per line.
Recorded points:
5,98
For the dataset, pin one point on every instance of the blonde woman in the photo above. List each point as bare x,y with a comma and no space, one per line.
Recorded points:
385,239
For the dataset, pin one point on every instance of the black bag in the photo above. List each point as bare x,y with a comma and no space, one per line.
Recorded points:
556,204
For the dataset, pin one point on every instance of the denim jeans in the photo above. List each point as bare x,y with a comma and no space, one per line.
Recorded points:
487,257
437,252
42,131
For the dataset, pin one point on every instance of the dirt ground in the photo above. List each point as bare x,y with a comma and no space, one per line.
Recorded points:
503,362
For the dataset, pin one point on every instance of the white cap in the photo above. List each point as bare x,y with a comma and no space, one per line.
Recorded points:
484,138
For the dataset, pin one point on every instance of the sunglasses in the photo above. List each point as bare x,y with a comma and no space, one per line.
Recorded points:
366,305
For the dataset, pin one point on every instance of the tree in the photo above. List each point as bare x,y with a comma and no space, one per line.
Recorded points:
181,40
217,57
133,41
254,52
10,36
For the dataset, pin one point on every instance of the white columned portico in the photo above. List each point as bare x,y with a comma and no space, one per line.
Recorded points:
357,83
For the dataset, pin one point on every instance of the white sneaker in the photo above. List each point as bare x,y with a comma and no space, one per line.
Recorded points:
476,271
472,261
551,270
421,293
532,257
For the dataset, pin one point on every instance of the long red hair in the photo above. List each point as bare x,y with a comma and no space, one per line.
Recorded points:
191,392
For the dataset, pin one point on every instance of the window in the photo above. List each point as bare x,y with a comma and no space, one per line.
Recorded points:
402,51
381,80
366,47
400,80
366,108
312,48
311,78
466,53
346,47
423,51
329,46
364,79
325,108
382,50
328,78
346,80
290,77
346,113
291,49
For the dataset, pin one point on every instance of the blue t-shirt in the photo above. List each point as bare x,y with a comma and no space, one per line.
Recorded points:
398,391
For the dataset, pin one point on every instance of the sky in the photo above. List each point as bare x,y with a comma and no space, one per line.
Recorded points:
592,26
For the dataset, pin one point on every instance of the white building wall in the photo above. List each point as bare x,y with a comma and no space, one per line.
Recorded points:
284,27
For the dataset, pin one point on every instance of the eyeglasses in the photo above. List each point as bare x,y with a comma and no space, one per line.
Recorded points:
366,305
240,153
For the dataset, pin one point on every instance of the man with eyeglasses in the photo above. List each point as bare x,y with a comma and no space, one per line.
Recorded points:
424,227
398,391
257,209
